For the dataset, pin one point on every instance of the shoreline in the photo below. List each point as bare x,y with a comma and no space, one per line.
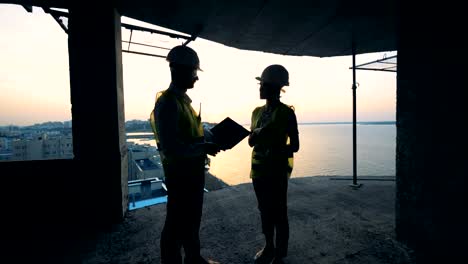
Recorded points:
212,183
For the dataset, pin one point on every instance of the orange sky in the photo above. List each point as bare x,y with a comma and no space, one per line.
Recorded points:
34,81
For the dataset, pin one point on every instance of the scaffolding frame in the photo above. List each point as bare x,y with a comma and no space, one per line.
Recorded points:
388,64
59,15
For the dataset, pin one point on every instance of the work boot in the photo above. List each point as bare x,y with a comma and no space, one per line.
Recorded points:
264,256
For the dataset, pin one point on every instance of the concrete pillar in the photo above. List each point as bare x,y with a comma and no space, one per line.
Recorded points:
98,120
431,164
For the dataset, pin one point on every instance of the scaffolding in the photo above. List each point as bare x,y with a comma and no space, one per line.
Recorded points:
388,64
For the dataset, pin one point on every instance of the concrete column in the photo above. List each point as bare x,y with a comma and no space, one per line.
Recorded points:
431,164
98,120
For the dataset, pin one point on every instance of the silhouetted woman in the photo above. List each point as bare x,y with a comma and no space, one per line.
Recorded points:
274,139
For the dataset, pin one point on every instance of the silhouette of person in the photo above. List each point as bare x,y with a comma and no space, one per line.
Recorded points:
272,126
179,135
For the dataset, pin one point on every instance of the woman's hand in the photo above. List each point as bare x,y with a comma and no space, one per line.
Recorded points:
257,131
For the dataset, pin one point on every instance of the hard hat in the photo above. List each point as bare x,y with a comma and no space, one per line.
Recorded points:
275,74
183,55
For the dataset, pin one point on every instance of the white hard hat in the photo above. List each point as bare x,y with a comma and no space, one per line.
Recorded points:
183,55
275,74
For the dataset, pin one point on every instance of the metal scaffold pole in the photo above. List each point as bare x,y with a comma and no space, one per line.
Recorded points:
354,184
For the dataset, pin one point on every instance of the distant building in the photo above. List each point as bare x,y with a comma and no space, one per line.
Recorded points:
143,162
5,151
27,149
6,156
4,144
42,147
67,124
147,169
58,148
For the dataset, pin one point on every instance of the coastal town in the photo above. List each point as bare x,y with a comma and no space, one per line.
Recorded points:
54,140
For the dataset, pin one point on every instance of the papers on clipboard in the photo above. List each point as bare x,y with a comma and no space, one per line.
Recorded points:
228,133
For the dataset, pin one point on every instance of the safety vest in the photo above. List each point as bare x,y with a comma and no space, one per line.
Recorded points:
270,150
190,129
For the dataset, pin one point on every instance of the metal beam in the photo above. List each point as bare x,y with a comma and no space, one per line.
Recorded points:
28,8
56,15
354,87
146,45
150,30
130,39
370,69
143,53
194,35
133,27
56,12
354,118
378,61
387,62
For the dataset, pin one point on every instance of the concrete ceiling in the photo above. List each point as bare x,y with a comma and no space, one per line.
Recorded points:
319,28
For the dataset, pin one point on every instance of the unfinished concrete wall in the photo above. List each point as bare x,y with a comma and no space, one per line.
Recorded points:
50,204
431,165
98,113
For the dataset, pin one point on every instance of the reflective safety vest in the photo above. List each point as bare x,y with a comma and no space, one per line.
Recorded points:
269,153
190,129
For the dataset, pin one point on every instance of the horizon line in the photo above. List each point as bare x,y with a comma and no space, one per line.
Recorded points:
299,123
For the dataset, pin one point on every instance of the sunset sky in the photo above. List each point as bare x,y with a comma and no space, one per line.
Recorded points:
34,78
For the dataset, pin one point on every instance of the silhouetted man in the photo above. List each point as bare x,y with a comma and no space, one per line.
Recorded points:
180,138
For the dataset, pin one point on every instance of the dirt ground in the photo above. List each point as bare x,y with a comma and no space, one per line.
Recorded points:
330,222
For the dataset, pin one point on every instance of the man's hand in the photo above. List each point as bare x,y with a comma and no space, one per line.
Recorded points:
208,134
211,148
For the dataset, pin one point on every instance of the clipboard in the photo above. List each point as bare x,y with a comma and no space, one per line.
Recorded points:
228,133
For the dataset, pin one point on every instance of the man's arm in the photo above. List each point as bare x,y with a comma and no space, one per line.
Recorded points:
166,115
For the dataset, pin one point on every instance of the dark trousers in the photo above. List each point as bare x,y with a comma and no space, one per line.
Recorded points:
271,192
185,183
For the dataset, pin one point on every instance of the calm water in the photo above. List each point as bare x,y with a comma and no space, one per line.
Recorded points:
325,150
